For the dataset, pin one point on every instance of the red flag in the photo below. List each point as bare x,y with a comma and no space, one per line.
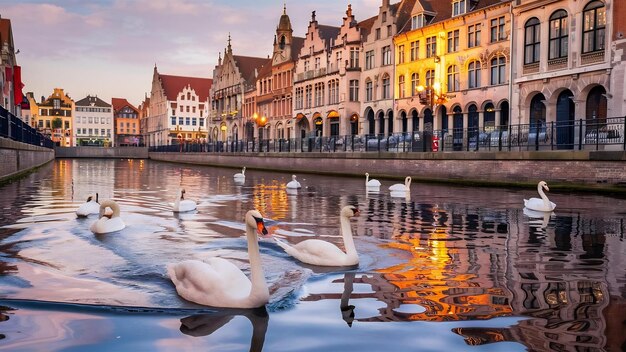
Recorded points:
17,85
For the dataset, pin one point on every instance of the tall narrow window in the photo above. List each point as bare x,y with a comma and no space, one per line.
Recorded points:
354,58
453,79
594,26
386,82
497,29
368,90
401,54
473,35
386,55
473,72
354,90
430,78
431,46
415,47
532,40
401,87
498,66
415,82
369,60
558,35
453,41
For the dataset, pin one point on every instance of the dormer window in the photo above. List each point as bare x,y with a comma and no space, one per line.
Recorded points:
418,21
459,7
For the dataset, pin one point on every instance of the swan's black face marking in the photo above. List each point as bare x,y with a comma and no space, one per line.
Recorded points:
97,198
89,199
182,194
260,226
355,210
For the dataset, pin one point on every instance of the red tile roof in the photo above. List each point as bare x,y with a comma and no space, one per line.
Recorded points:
173,85
247,66
120,103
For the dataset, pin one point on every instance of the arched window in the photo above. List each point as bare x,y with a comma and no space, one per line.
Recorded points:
415,82
498,68
386,82
401,86
453,79
473,73
369,95
430,78
532,40
558,35
282,42
594,25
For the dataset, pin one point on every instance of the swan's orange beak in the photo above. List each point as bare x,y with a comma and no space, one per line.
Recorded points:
357,212
260,227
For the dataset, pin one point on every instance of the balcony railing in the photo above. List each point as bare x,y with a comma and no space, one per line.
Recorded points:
606,134
14,128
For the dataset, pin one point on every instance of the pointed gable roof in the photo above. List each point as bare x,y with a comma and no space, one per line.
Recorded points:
120,103
89,100
247,66
173,85
296,45
328,32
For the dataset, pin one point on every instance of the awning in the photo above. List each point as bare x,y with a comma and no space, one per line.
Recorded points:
333,114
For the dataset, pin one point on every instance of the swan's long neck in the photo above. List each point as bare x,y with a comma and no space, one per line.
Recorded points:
257,277
346,233
543,196
407,183
367,178
116,210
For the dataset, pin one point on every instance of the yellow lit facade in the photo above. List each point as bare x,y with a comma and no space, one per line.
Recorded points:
453,71
53,117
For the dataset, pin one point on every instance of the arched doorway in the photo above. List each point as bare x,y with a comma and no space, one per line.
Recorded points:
504,115
472,125
303,127
381,123
537,112
457,128
443,117
319,126
596,107
489,117
235,133
354,124
371,123
223,130
405,122
428,120
390,122
416,120
565,116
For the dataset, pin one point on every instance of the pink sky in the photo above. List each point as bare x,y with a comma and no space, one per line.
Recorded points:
109,47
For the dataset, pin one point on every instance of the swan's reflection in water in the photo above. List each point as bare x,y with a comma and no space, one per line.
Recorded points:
206,324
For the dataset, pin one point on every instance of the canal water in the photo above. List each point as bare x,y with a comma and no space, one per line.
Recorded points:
443,269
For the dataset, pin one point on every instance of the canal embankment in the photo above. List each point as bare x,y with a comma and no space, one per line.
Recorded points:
17,158
103,153
603,171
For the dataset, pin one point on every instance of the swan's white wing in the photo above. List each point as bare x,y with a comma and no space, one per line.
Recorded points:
373,183
537,204
316,252
214,283
88,208
397,187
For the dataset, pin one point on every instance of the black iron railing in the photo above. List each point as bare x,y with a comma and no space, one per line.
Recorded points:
606,134
14,128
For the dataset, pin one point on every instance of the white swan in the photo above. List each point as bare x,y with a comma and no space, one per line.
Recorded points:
218,282
240,176
537,204
318,252
371,184
293,183
106,224
181,204
398,187
91,206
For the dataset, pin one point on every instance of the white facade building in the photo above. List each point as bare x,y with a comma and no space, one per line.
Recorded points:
93,123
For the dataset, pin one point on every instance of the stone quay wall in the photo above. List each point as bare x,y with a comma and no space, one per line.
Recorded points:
103,153
17,158
581,170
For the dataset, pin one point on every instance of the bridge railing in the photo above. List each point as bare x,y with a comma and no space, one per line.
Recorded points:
605,134
14,128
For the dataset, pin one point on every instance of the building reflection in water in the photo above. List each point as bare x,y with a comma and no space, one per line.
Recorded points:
470,265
